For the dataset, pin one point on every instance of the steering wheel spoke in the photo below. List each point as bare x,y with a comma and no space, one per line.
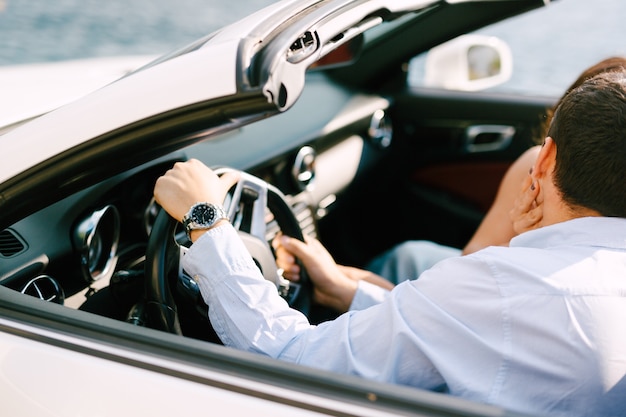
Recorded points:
246,204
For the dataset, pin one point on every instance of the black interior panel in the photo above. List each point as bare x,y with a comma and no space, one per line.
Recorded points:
433,187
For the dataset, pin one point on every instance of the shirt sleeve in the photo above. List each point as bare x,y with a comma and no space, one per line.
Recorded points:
367,295
245,309
410,338
247,313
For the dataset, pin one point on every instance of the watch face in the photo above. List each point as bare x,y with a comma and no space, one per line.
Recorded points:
203,214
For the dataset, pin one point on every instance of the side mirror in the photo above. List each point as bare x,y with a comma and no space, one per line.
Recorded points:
469,63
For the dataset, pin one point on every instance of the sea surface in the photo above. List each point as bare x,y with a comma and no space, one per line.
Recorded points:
551,46
55,30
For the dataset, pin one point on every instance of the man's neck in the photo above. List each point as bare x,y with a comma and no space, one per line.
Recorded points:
556,210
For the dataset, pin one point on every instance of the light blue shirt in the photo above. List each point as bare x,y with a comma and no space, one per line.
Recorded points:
537,327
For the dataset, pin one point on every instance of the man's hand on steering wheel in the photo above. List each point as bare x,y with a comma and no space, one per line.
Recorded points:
333,287
247,200
191,182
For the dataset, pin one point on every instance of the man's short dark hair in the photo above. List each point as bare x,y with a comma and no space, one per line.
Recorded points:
589,130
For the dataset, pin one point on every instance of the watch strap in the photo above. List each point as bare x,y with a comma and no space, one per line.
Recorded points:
190,223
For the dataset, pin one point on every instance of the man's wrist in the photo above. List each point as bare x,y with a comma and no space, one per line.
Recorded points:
348,293
342,296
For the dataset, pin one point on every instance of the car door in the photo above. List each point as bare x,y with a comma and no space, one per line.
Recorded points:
438,179
456,147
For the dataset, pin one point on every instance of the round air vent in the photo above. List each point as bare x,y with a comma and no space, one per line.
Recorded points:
45,288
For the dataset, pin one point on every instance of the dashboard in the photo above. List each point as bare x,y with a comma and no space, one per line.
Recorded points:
87,251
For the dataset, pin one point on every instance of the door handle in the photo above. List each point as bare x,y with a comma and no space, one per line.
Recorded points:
488,138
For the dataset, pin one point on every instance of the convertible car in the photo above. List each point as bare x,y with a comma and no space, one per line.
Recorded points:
310,100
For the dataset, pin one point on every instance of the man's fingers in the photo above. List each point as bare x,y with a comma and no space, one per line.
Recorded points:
529,220
534,217
229,179
291,276
284,255
529,196
294,246
286,260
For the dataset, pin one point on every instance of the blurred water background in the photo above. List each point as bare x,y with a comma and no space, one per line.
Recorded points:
551,46
54,30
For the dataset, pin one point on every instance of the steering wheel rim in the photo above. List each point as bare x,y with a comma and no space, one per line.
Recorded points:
246,205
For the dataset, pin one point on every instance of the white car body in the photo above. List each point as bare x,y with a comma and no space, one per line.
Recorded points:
140,388
30,90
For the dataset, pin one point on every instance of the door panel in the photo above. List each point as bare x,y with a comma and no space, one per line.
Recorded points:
449,153
459,145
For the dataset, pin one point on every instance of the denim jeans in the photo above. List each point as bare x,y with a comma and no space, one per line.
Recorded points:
409,259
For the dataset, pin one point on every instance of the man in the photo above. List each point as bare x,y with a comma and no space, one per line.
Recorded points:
535,327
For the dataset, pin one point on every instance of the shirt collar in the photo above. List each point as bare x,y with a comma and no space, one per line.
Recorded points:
607,232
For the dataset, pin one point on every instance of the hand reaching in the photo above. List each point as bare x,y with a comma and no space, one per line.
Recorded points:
527,212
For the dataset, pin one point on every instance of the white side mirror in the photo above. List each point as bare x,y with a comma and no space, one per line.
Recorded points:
469,63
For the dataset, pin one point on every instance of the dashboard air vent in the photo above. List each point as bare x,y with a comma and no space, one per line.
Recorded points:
10,244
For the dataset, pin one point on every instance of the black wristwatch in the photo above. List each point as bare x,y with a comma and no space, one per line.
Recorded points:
202,216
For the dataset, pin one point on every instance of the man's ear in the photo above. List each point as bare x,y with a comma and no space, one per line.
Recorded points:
544,164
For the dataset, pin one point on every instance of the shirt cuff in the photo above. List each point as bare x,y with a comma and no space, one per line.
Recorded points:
367,295
217,254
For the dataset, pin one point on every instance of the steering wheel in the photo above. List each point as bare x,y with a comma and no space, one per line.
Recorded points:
247,205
